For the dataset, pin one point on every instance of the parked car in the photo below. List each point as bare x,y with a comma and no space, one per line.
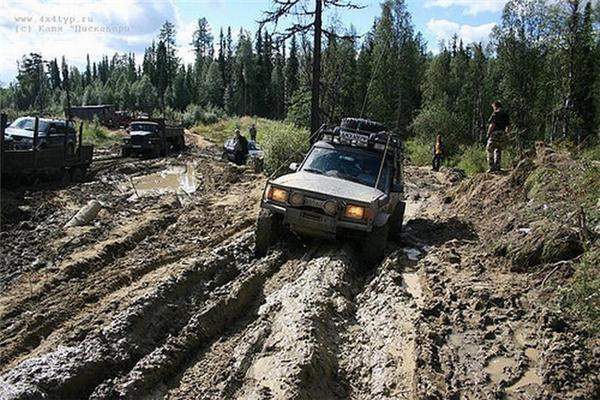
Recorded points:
51,133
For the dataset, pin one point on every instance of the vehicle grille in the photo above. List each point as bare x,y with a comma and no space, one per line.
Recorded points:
137,139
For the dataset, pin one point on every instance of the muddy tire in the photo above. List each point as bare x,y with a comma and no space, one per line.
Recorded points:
268,229
125,152
396,220
373,247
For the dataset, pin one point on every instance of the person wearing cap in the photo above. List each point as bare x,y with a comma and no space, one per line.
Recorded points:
241,148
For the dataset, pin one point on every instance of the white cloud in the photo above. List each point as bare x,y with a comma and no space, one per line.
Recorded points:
74,28
444,30
472,7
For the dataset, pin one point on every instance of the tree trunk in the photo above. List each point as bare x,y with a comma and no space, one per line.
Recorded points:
315,121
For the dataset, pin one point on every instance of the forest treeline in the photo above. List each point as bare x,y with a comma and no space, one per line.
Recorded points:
541,61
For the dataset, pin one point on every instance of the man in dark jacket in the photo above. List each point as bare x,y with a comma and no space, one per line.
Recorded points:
252,132
438,153
498,130
241,148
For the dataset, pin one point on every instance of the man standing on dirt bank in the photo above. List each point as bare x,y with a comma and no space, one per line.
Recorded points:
241,148
252,132
438,153
498,130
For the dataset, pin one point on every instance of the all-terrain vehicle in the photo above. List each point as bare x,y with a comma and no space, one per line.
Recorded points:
350,184
152,137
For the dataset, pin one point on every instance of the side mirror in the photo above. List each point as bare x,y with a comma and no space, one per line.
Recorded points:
51,131
396,187
294,166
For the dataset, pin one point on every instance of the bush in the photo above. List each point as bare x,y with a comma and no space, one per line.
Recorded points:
581,297
418,151
196,114
283,144
98,135
433,120
471,159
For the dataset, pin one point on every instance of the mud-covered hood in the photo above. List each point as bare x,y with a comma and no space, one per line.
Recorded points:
329,185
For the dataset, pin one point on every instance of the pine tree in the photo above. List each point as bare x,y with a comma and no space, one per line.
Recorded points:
214,85
291,71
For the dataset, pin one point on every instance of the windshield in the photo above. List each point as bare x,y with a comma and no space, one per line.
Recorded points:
28,124
357,167
143,127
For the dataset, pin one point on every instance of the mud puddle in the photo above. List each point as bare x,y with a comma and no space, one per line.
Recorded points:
179,179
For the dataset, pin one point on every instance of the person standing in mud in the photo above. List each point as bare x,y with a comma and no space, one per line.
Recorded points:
241,148
498,130
438,153
252,132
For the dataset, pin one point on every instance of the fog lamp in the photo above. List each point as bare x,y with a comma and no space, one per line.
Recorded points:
296,199
330,207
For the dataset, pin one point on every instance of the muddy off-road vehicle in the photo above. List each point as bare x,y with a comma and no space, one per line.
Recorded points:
152,137
350,184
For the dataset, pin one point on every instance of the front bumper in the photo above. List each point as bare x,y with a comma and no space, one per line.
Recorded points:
315,224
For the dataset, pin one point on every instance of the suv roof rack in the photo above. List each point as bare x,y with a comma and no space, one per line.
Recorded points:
358,138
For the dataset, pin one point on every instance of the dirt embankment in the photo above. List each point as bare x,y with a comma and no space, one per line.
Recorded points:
162,297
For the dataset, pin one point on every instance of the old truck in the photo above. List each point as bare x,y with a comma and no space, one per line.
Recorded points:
152,137
350,184
68,162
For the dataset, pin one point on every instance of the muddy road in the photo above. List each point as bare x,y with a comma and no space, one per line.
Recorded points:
161,297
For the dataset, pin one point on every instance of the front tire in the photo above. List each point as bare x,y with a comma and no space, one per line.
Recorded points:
268,228
374,245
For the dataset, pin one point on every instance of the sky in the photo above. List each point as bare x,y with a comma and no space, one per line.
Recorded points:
75,28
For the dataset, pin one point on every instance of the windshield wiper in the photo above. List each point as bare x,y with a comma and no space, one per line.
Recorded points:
314,171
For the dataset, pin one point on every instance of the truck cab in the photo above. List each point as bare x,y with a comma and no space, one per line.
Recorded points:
350,185
152,137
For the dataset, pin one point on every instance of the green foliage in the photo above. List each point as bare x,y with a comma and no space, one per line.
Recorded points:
299,110
419,151
472,159
581,297
195,114
435,120
98,135
283,144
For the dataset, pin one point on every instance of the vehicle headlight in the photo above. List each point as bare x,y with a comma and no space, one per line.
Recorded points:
277,194
330,207
354,212
296,199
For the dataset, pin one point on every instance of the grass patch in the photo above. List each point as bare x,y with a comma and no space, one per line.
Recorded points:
282,142
581,296
99,135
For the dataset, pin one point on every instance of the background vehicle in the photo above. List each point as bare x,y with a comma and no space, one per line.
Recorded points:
255,153
153,138
66,162
51,133
350,184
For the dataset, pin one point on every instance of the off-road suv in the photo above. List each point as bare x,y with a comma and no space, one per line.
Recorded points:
350,184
